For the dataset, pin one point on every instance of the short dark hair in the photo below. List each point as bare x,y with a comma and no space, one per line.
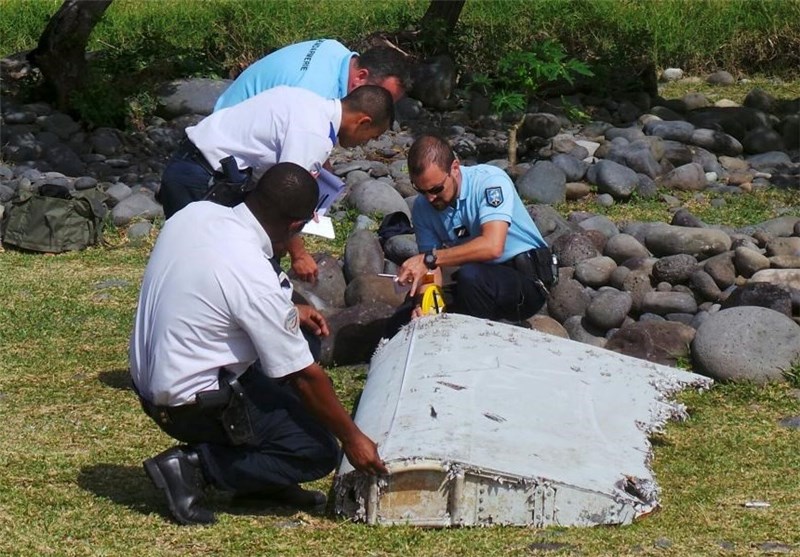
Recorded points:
374,101
429,150
285,191
383,62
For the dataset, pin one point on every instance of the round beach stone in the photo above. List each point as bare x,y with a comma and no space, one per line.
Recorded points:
746,343
654,340
595,272
609,308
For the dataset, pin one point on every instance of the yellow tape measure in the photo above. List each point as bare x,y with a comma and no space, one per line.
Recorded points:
432,300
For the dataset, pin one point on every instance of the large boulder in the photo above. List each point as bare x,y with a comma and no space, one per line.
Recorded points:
662,342
190,96
746,343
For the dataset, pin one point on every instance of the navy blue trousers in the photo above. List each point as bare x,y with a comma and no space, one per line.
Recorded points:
184,180
288,444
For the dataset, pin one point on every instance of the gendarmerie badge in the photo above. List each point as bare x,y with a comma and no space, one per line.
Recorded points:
494,196
292,322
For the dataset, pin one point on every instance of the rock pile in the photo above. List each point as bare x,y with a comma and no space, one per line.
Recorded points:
727,300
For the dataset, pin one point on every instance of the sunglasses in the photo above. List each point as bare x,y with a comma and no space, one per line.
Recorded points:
435,190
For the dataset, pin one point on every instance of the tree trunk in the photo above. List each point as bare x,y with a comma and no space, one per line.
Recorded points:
443,13
61,52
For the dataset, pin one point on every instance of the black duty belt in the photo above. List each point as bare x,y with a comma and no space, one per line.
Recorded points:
189,150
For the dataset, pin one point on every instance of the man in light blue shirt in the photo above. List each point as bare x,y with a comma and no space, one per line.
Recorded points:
323,66
472,217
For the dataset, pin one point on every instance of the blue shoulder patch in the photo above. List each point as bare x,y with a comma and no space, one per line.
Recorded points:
494,196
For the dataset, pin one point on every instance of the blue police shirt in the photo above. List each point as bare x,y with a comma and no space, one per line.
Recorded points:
321,66
487,194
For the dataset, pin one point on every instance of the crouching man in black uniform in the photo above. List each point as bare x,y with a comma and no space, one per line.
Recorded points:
221,359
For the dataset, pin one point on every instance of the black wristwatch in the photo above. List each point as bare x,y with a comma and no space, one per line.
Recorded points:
430,260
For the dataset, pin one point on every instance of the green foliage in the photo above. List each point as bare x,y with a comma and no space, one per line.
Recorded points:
504,101
792,375
544,63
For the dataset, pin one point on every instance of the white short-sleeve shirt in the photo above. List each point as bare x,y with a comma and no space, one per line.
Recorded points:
210,298
282,124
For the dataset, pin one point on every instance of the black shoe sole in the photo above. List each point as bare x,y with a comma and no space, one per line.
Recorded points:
152,470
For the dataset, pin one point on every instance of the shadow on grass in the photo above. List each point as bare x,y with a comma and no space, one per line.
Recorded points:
124,485
129,486
116,379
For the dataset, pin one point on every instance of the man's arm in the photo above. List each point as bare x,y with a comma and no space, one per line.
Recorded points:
303,264
487,246
315,389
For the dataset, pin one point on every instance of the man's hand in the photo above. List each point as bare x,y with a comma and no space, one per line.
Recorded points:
362,452
312,320
412,271
304,266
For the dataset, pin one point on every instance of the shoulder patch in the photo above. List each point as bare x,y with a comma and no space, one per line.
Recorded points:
292,321
494,196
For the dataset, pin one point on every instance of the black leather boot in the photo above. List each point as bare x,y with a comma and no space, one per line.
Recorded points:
178,474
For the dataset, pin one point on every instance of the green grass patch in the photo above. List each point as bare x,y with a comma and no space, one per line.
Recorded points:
71,481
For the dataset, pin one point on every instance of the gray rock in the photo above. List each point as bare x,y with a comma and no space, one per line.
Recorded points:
705,286
327,293
605,200
749,261
567,298
85,183
669,113
401,247
682,217
546,324
595,272
375,196
720,77
790,131
762,294
355,333
678,130
716,142
543,183
139,205
780,226
540,124
577,190
190,96
608,309
622,247
549,222
784,261
694,100
434,81
571,248
615,179
672,74
746,344
641,160
631,134
675,269
601,223
363,255
6,193
356,177
665,239
721,269
60,124
662,303
760,100
769,160
654,340
762,140
117,192
65,160
106,141
139,231
689,177
783,246
580,330
574,169
371,289
677,153
407,109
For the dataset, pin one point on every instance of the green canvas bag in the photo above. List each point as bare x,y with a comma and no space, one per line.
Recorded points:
55,219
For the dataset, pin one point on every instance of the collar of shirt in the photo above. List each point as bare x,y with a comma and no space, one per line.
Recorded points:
344,74
336,116
243,212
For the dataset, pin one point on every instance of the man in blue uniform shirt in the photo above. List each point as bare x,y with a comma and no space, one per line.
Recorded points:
472,217
323,66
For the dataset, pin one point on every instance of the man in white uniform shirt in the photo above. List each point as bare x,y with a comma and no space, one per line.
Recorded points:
222,360
283,124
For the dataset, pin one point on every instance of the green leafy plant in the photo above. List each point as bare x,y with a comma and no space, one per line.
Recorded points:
508,101
792,375
545,62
